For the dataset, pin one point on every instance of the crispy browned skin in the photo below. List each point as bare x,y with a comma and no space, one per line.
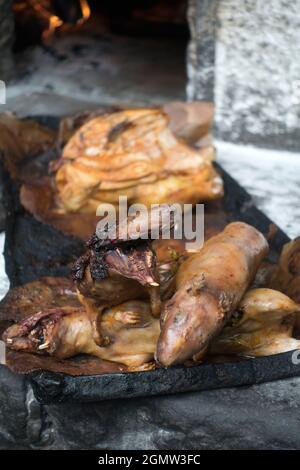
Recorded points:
20,138
210,285
62,332
129,330
117,268
118,275
263,325
132,153
286,275
50,322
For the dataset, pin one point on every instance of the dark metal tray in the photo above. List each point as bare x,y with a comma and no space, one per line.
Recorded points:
51,387
31,244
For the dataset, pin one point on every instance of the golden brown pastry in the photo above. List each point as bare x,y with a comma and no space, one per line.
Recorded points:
209,286
132,153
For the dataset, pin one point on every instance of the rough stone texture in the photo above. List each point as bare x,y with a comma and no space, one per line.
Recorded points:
271,177
6,39
201,49
256,417
257,71
13,413
265,416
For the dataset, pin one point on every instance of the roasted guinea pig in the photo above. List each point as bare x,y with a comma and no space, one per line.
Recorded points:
286,275
121,265
263,324
50,321
132,153
209,287
130,333
117,273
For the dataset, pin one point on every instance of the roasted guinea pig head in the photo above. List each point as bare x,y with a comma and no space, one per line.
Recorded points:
130,334
121,264
264,323
132,153
62,332
209,286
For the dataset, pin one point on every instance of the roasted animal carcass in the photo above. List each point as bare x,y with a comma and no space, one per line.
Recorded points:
209,287
132,153
50,321
263,324
130,331
286,275
119,266
117,273
207,316
101,323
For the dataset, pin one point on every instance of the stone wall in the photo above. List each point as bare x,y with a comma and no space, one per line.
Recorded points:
201,49
257,69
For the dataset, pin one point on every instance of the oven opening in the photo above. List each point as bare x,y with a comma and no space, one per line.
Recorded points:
100,52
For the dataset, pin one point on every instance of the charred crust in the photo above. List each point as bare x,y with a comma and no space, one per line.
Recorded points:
79,267
96,264
116,131
95,258
99,245
98,267
35,332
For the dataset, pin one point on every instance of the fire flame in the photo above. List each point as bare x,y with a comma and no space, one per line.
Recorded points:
54,22
85,10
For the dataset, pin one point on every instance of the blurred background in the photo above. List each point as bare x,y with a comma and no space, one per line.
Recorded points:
62,56
244,56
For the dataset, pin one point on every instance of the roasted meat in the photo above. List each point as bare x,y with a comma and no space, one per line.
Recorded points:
286,275
129,330
119,266
20,138
263,324
209,286
116,274
132,153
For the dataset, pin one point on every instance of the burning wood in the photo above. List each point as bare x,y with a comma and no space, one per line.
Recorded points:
56,13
